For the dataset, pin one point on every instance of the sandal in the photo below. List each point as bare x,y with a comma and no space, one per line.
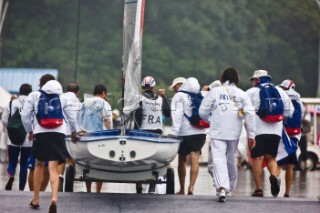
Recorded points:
32,205
53,208
257,193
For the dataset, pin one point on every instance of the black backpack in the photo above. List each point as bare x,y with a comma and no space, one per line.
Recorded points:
16,132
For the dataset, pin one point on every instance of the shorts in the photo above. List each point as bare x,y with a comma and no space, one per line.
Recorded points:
191,143
49,146
290,159
32,162
266,144
66,154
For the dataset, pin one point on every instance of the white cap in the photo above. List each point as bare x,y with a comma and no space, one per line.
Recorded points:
259,73
288,84
177,81
216,83
148,82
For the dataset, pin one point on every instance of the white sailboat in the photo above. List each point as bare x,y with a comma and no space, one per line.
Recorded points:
125,155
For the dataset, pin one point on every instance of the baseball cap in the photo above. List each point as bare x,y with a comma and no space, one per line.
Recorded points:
148,82
288,84
177,81
258,74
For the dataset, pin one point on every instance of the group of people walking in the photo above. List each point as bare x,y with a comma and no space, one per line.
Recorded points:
47,116
222,110
265,110
228,108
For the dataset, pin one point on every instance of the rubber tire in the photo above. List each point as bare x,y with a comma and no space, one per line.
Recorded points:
311,157
69,179
170,181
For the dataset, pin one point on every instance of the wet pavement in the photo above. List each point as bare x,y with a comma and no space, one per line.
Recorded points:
305,185
119,197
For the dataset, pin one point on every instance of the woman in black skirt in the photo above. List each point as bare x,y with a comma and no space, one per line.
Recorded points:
48,141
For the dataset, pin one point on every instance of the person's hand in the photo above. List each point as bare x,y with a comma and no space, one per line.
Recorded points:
74,137
82,132
162,92
251,143
172,136
30,136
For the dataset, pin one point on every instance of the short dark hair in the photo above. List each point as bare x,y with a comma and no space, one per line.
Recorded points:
45,78
73,87
25,89
99,89
230,74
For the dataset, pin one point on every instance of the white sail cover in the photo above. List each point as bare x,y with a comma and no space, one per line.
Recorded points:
132,50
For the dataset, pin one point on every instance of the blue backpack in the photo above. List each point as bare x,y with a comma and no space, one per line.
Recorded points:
293,124
195,120
271,106
49,113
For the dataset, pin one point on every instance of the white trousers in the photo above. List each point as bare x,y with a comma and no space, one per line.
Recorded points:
224,169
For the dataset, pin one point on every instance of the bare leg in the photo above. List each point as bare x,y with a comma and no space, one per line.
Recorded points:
289,177
182,163
54,180
99,186
88,186
271,164
70,162
61,168
139,188
257,171
278,171
37,180
45,179
30,179
194,171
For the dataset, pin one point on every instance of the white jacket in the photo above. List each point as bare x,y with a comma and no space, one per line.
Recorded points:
180,105
221,108
16,104
263,127
29,111
75,105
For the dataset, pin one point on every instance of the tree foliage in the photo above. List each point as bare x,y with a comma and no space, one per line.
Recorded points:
181,38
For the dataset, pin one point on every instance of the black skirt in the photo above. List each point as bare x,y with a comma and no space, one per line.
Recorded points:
49,146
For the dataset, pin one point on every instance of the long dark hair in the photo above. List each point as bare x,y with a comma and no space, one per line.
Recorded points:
230,74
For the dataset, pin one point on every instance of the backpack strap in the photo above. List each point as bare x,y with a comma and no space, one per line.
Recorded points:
10,105
192,95
189,93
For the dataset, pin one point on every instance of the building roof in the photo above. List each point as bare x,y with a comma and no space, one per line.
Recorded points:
12,78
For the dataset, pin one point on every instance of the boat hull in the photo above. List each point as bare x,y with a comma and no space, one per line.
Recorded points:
133,156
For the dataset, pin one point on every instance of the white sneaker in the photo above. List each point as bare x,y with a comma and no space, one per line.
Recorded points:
222,196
